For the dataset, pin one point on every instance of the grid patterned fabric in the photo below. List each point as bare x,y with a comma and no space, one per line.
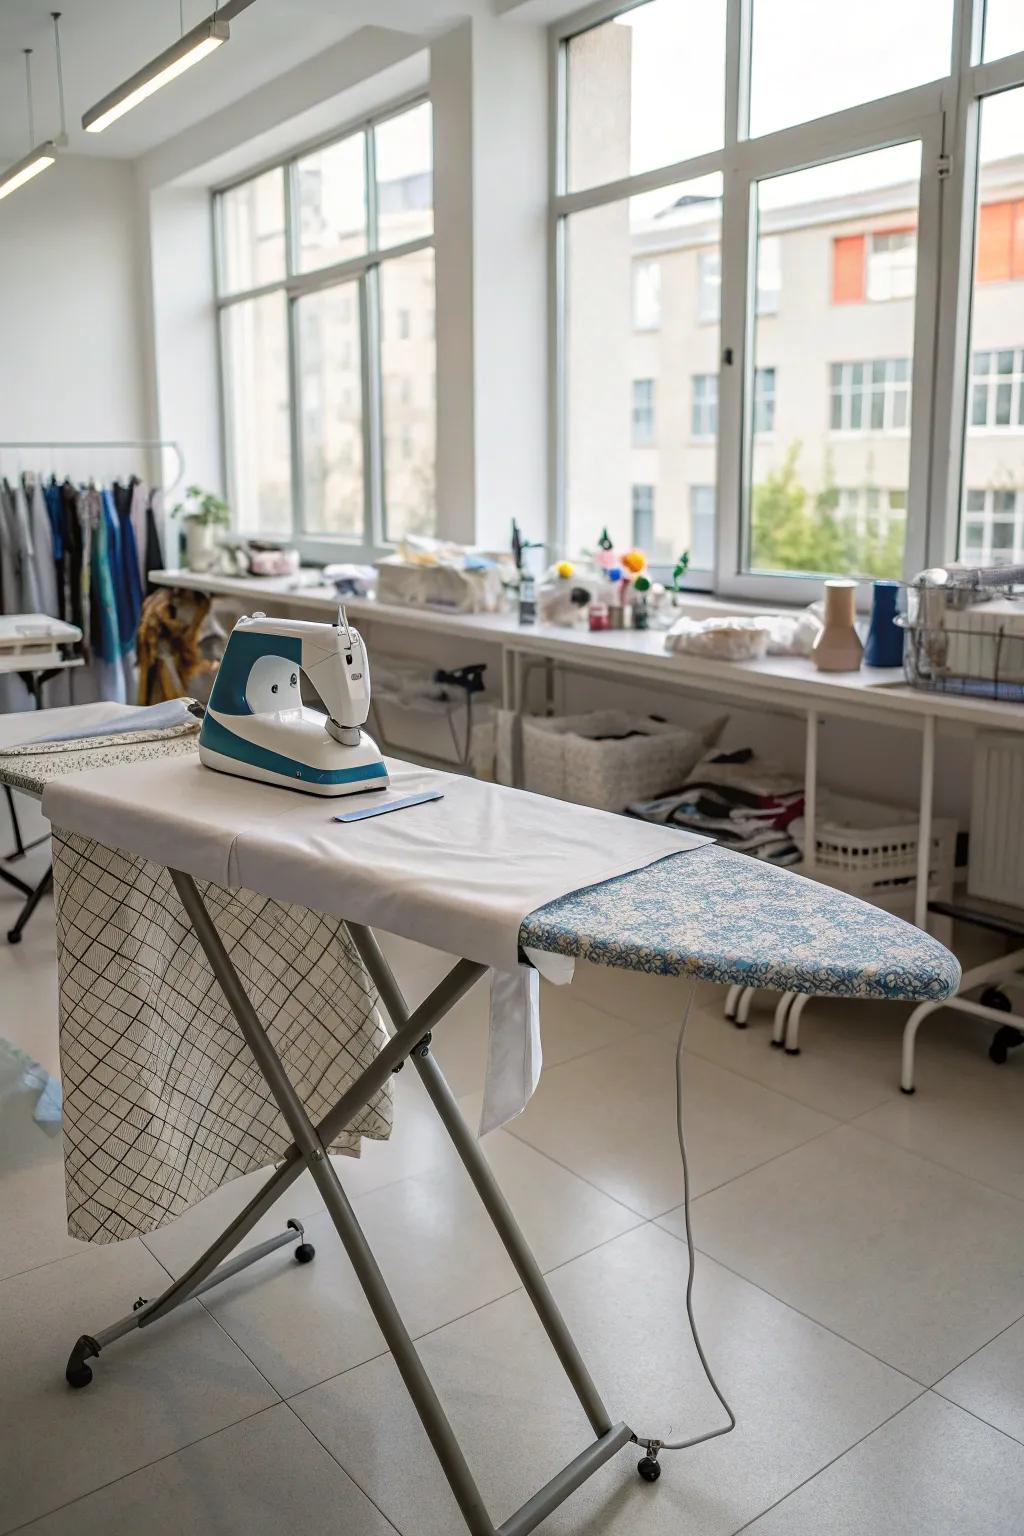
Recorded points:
162,1100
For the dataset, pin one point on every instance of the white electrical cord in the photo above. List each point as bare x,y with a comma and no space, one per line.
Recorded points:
654,1446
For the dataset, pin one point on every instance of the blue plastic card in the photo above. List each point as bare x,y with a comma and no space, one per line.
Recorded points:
366,811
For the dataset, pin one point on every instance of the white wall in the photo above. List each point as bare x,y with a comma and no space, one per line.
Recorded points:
72,358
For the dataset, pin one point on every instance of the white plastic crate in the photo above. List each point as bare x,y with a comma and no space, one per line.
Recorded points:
871,850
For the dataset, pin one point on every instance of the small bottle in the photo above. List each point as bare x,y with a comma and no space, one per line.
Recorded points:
527,598
598,616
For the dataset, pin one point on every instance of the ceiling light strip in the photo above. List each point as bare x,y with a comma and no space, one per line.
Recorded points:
188,50
36,160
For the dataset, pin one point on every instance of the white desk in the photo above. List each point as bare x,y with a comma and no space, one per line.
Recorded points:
782,682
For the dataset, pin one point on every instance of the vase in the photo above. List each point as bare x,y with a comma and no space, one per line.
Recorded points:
200,545
884,644
838,647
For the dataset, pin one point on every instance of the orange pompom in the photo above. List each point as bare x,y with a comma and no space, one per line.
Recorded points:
634,560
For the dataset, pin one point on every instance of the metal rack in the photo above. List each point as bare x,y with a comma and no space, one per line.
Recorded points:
146,443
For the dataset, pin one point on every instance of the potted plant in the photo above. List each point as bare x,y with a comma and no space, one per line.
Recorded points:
202,513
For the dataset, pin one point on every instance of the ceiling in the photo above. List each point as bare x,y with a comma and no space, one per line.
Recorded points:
105,41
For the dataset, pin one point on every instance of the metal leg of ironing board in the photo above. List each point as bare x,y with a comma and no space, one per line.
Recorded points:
309,1151
486,1185
210,1269
34,898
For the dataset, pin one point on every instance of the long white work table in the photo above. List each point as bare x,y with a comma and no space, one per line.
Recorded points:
781,682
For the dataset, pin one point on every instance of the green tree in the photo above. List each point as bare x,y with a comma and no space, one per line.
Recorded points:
792,529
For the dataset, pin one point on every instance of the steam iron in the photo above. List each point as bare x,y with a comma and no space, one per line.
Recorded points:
256,725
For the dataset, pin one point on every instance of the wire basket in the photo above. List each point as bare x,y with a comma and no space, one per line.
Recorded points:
959,642
976,661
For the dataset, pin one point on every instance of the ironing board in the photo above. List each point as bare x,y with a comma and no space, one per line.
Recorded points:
706,913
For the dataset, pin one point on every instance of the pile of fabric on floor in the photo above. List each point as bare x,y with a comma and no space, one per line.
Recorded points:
743,802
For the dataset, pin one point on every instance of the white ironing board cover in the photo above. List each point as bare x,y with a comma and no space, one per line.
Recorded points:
459,873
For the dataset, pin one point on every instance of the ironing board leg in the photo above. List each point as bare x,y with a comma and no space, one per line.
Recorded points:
309,1150
486,1185
34,898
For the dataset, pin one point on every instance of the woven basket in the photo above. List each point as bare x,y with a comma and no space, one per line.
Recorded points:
565,758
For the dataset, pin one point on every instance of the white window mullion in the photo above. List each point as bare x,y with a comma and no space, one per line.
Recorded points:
737,260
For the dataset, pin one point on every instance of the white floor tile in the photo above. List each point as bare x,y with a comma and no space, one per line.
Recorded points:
931,1471
849,1063
152,1392
610,1117
967,1113
991,1383
913,1262
262,1477
435,1245
33,1211
802,1396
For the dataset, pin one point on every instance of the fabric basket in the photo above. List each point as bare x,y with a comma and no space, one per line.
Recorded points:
608,758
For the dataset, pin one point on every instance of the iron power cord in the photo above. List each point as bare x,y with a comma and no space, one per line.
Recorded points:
649,1467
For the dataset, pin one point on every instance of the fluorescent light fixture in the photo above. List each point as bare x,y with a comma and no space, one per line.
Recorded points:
167,66
16,175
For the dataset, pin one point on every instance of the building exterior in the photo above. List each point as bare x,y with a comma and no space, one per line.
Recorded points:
833,347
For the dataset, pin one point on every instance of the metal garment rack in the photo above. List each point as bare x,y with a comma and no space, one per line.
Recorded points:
309,1150
128,442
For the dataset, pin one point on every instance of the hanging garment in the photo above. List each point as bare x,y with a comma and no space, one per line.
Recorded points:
74,553
126,574
154,549
24,555
140,503
42,545
8,556
55,514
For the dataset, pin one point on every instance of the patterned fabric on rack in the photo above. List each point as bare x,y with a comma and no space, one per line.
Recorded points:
722,916
162,1099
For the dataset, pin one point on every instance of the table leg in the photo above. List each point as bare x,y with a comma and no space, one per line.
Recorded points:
924,824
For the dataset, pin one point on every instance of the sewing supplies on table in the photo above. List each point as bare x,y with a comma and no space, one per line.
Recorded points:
256,725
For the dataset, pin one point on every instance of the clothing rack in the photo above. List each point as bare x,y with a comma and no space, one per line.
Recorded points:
129,442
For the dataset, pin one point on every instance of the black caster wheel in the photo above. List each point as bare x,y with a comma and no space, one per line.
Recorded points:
995,997
13,936
78,1375
649,1469
739,1023
304,1253
794,1052
776,1045
907,1091
1004,1041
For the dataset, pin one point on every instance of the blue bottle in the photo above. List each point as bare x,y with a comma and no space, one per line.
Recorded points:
884,644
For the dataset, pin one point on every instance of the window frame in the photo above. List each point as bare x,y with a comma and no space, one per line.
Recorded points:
942,115
362,272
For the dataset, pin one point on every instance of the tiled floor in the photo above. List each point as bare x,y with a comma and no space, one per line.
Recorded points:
860,1289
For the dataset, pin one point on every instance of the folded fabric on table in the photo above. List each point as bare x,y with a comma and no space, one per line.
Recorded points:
163,1101
744,803
154,717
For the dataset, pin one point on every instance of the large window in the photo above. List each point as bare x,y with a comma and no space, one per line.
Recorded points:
325,284
993,471
813,359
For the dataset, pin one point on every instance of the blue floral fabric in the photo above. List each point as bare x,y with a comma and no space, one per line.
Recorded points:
721,916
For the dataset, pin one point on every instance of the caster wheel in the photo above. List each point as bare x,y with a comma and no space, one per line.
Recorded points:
740,1023
997,1053
794,1052
304,1253
78,1375
13,936
995,997
776,1045
907,1091
649,1469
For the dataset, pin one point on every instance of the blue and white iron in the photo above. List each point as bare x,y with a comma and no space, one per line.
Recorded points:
256,725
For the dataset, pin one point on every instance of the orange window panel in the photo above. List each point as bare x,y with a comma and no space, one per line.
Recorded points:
848,269
995,242
1017,248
